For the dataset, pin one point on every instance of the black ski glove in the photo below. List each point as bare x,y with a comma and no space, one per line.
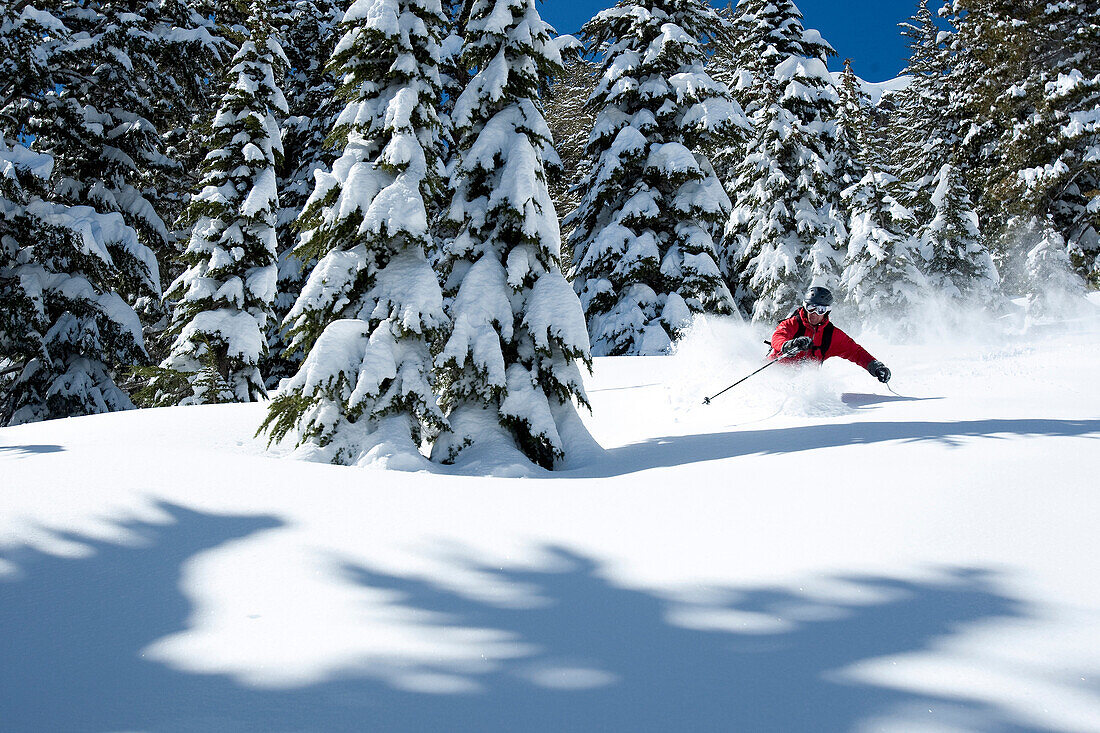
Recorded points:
879,371
796,345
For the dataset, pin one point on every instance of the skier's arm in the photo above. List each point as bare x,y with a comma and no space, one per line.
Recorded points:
846,348
784,332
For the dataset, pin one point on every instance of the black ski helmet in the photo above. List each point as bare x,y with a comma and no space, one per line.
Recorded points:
818,296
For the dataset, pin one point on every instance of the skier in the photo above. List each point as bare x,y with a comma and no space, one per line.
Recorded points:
807,334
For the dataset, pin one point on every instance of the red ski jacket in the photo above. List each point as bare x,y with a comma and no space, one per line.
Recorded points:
828,341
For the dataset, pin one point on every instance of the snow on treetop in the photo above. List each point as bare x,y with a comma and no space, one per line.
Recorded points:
398,207
568,43
498,21
45,20
670,34
621,65
639,248
338,351
487,86
798,66
672,158
379,15
17,158
332,276
263,196
239,329
713,113
641,205
410,282
96,231
481,307
690,84
813,37
400,107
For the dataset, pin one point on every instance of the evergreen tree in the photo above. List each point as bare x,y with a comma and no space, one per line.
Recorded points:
571,121
787,224
957,264
308,32
853,130
922,134
510,369
881,278
760,35
223,300
372,307
1054,289
131,74
643,243
1033,95
64,333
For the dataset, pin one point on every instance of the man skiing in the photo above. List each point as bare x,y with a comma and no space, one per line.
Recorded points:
807,334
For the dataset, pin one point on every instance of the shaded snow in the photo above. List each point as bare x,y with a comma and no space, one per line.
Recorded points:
808,552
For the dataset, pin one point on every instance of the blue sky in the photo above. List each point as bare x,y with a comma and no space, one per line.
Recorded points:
864,30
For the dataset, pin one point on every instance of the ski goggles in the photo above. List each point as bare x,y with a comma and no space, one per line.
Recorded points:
818,309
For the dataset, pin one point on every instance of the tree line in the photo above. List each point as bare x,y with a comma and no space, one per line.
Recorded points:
424,218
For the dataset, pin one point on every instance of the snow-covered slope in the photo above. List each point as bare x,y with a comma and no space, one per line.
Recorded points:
809,552
876,90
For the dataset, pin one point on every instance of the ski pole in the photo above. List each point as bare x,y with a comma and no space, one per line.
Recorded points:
706,400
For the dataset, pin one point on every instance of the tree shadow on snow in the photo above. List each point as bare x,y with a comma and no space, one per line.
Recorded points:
599,657
679,450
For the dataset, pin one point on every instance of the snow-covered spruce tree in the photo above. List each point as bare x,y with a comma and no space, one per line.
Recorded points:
131,73
922,134
787,227
760,35
1036,122
222,302
64,333
957,264
644,259
308,32
881,278
511,367
372,307
571,121
853,131
763,252
1053,288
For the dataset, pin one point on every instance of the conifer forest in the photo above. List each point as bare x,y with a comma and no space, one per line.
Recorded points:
410,225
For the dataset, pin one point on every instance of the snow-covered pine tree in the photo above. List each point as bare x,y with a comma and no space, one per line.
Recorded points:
571,121
767,262
787,225
372,307
759,35
643,243
881,280
129,67
222,302
1036,112
1053,288
187,50
308,32
64,333
922,134
511,367
853,129
956,262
